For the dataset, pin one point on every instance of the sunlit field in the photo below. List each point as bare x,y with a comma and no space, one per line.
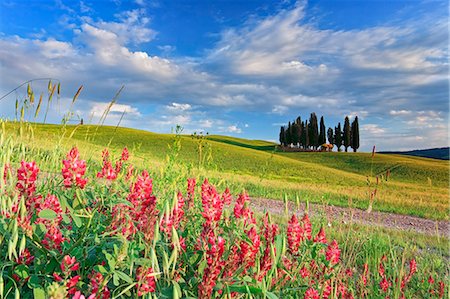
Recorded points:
110,212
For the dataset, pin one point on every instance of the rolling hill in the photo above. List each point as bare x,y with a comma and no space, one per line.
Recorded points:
435,153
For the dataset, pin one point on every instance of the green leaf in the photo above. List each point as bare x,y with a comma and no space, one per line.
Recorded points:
21,271
271,295
124,276
33,283
47,214
39,293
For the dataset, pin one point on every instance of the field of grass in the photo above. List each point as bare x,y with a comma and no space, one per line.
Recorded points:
255,166
416,186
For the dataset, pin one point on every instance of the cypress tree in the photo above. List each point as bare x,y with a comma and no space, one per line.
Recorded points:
347,133
282,136
298,123
294,133
338,137
330,136
322,133
303,137
306,135
288,134
313,131
355,134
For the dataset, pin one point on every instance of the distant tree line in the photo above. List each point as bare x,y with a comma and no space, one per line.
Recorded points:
310,135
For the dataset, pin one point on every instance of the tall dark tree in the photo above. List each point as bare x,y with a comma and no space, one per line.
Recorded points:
294,128
330,134
298,123
282,136
347,133
322,133
307,144
338,136
303,137
288,134
313,131
355,134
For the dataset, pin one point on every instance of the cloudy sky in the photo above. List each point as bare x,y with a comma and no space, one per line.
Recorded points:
239,68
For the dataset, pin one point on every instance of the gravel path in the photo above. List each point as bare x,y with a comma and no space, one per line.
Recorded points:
346,215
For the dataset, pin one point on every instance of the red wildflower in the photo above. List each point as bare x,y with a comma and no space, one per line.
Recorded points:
73,170
27,176
294,234
125,154
321,238
78,295
96,280
311,293
212,204
6,170
249,250
144,213
441,289
270,231
226,197
146,281
69,264
215,265
304,272
412,268
365,274
384,284
333,253
430,279
25,257
107,172
306,225
129,174
381,270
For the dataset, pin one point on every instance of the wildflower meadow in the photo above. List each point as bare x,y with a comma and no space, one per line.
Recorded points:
97,230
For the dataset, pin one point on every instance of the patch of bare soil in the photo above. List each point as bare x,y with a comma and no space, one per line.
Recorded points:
348,215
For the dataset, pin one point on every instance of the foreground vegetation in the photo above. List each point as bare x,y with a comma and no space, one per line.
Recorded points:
103,228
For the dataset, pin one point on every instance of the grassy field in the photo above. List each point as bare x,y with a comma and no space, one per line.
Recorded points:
417,186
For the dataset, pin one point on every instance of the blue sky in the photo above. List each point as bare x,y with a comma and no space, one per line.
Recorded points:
239,68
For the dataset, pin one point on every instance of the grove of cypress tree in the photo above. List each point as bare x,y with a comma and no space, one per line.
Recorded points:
347,133
338,137
355,134
322,133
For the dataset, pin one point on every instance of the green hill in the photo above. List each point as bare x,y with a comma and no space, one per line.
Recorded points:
417,186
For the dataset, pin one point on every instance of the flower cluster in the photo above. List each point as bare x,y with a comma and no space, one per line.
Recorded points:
73,170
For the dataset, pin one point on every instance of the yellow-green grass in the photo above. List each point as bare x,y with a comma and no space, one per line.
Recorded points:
334,178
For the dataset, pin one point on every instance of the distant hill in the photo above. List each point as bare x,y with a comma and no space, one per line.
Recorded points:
435,153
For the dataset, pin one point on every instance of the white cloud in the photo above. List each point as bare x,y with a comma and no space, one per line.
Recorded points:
399,112
372,129
179,107
233,129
